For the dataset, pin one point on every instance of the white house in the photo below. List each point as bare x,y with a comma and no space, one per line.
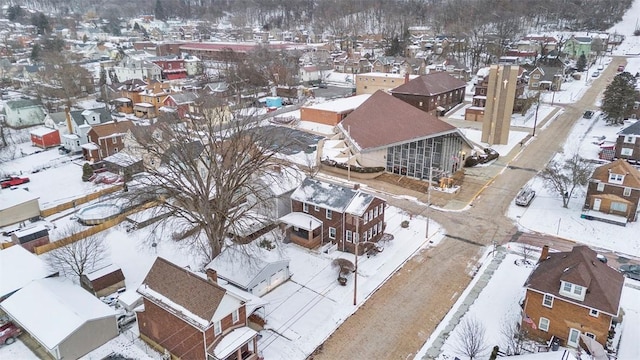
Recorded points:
309,73
24,112
133,68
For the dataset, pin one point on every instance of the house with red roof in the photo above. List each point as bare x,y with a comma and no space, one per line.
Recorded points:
569,294
387,132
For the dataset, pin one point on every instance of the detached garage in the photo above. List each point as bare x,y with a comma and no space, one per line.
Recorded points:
17,205
63,318
45,137
251,273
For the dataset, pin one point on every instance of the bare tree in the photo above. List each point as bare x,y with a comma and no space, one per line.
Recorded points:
79,257
514,337
471,340
527,251
203,168
564,177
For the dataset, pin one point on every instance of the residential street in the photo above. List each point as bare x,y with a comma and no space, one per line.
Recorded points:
398,318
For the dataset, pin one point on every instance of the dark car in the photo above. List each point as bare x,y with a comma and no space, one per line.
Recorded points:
14,181
631,271
322,86
588,114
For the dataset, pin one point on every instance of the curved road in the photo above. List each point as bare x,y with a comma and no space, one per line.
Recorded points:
398,318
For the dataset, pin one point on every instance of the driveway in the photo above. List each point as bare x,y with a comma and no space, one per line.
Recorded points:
396,321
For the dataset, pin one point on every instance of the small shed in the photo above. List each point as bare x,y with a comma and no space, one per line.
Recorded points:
31,237
256,274
123,164
104,281
45,137
61,317
18,205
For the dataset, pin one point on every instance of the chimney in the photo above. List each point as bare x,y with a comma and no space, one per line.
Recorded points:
356,186
68,117
544,254
212,276
406,77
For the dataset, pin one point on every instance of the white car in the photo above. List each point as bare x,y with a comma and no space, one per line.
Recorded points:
525,196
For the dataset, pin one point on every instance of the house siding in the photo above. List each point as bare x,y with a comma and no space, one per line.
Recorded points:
635,147
563,316
605,205
447,100
88,337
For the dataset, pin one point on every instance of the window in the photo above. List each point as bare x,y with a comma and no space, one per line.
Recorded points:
305,207
572,290
235,316
380,227
590,335
329,214
547,300
594,312
375,212
567,287
629,139
332,233
543,324
600,186
626,152
375,230
349,236
366,218
381,209
616,178
370,233
627,192
217,328
316,208
371,214
364,236
356,237
618,206
114,140
577,289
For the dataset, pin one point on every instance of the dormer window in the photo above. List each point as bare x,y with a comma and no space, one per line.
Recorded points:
616,178
573,291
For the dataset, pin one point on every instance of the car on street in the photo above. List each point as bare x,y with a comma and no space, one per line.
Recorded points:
620,68
595,74
630,271
588,114
8,333
13,181
525,196
322,86
600,67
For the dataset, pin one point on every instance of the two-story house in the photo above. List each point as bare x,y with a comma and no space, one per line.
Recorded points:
105,139
628,143
172,67
74,125
190,316
436,92
546,78
614,189
324,212
571,293
182,103
575,46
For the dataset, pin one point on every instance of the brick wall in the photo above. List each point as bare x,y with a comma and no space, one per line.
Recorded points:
562,316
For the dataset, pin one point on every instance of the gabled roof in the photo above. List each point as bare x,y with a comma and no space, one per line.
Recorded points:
68,307
548,72
622,167
331,196
184,98
245,266
112,128
579,266
182,290
18,267
383,120
633,129
22,103
430,84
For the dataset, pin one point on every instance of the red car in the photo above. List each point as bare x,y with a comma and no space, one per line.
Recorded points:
13,181
9,333
621,68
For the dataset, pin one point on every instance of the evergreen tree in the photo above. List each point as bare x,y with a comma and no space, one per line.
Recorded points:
41,22
87,172
618,98
395,48
36,52
581,64
14,12
159,13
85,38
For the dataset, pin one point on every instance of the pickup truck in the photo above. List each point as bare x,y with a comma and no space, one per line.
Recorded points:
8,333
13,181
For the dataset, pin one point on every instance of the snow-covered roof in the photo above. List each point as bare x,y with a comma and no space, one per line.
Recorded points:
102,272
232,341
42,131
359,203
51,309
122,159
18,267
10,198
242,266
30,230
301,220
341,105
328,196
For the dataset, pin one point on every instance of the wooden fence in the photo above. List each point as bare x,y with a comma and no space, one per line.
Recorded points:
78,201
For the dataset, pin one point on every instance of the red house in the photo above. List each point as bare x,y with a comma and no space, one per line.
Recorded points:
45,137
172,68
105,140
182,103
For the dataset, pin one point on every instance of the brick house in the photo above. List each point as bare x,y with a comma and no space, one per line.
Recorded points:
192,317
172,67
105,139
569,294
476,111
324,212
614,189
437,92
628,144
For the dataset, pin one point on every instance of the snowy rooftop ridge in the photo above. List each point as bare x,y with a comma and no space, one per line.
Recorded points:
332,197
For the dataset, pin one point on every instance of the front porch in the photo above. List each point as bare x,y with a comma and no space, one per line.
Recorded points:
238,344
302,229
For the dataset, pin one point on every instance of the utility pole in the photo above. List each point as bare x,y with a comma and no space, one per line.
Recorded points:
535,120
355,274
429,189
349,158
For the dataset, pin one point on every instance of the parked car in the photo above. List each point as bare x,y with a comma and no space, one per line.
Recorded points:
322,86
630,271
588,114
14,181
595,74
600,67
525,196
8,333
126,319
620,68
